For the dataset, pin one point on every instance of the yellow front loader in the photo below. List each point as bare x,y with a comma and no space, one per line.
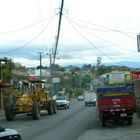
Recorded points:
31,100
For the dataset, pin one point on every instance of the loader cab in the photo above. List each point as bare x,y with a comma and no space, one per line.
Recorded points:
24,87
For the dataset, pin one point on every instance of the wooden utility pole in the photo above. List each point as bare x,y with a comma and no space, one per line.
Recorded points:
40,58
58,31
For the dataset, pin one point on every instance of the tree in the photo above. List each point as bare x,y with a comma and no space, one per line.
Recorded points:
6,69
87,67
85,80
74,80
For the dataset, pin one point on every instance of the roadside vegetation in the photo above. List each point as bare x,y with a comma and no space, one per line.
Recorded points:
73,78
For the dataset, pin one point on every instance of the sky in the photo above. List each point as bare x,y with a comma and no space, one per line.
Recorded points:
89,29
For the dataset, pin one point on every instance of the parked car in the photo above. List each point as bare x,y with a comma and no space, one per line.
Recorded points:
90,98
80,98
9,134
62,102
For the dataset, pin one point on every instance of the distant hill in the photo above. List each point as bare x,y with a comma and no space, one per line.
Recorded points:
129,64
133,64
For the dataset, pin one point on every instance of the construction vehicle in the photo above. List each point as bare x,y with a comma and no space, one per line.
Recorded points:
31,99
115,103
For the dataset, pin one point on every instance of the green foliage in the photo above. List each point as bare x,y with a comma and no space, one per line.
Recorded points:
40,67
74,92
74,80
5,69
106,69
85,80
87,67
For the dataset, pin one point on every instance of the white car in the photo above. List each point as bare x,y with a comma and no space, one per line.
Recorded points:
9,134
62,102
80,98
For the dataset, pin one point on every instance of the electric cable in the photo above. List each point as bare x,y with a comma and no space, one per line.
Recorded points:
25,27
113,44
26,44
93,44
40,15
108,29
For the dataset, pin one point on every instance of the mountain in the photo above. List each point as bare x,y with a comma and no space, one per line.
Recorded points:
130,64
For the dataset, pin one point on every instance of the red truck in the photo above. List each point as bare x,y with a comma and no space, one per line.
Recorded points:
115,103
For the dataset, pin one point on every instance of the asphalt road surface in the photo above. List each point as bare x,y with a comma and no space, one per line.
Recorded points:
80,122
65,125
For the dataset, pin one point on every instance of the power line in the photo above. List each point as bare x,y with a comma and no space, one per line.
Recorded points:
25,27
101,37
108,29
93,44
26,44
40,15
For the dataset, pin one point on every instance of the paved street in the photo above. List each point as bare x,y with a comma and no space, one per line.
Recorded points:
65,125
77,123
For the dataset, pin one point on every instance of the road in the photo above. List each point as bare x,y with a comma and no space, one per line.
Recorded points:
65,125
77,123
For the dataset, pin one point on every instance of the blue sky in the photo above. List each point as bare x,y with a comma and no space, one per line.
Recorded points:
90,29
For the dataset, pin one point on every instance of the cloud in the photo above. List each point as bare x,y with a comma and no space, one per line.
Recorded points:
90,28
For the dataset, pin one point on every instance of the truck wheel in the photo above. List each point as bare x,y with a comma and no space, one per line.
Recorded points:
35,111
129,120
103,122
85,104
50,108
9,113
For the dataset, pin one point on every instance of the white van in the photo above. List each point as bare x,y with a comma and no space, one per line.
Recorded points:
90,98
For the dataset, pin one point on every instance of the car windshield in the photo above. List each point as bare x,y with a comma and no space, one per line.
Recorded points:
61,98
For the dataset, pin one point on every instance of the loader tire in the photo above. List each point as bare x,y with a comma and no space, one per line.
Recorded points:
9,113
35,111
50,108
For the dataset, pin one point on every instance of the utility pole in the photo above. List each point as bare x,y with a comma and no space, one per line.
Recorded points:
51,71
58,31
40,58
56,44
